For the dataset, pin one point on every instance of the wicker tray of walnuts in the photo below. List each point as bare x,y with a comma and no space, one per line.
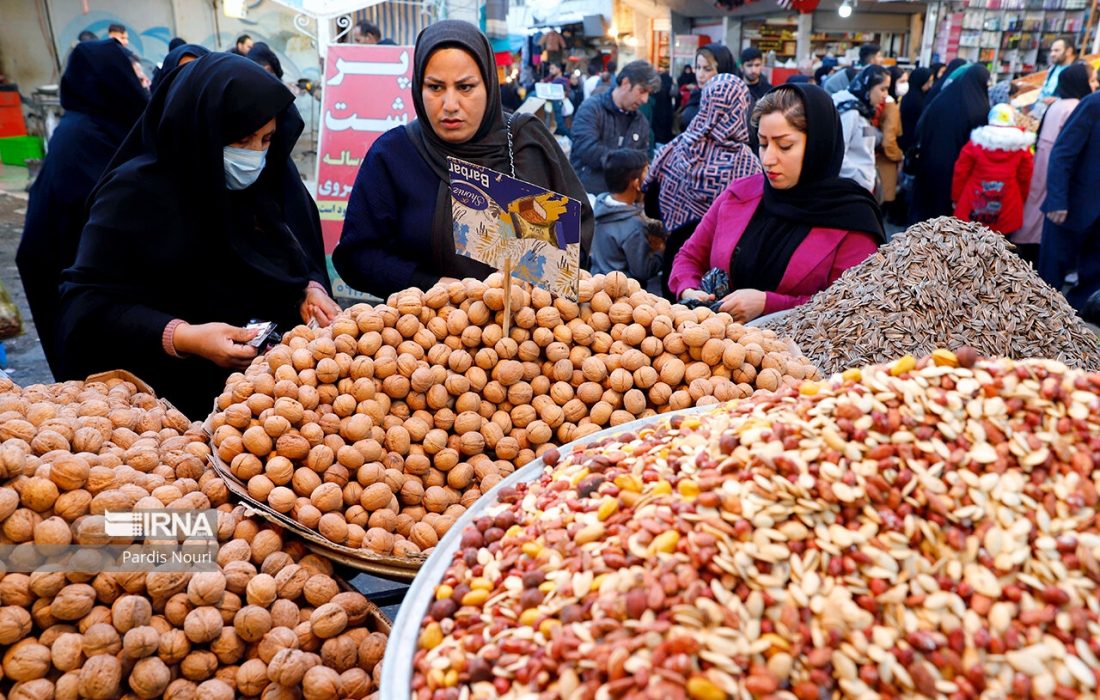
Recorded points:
404,568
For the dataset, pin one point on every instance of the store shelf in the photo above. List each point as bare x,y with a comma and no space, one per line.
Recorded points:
1012,36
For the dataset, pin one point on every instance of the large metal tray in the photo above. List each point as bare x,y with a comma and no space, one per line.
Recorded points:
397,671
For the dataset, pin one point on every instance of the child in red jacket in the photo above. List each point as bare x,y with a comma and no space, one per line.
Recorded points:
993,173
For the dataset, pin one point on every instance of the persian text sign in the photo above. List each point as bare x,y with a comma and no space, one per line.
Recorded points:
366,93
498,218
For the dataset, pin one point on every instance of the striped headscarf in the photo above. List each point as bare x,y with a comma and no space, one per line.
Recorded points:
701,162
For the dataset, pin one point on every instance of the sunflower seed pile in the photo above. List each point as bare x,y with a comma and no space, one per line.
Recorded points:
942,283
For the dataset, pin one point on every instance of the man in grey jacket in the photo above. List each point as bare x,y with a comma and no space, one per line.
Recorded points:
610,121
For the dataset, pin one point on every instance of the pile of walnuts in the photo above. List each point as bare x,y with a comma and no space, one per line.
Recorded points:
70,452
271,619
381,430
271,622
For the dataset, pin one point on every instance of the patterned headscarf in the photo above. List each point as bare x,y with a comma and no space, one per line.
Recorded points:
699,163
861,87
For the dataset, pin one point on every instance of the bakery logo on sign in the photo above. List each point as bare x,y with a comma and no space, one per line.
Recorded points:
162,524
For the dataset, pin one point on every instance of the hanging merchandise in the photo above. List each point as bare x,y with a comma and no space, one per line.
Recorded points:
804,7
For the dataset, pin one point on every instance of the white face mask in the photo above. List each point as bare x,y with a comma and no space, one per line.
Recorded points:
901,89
242,166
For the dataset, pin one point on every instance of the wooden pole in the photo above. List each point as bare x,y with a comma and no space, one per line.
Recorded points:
507,295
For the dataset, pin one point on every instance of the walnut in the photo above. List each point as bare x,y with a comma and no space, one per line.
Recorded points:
328,620
290,581
67,651
15,624
214,689
355,683
252,677
73,602
289,666
180,689
100,677
101,638
160,586
284,613
131,611
275,640
140,642
228,647
206,588
252,622
69,472
261,590
173,647
355,605
150,678
376,496
320,589
320,683
423,536
199,665
264,543
176,609
371,650
203,624
340,653
26,660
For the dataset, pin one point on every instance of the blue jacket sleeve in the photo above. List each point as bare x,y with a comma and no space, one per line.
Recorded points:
1067,150
365,256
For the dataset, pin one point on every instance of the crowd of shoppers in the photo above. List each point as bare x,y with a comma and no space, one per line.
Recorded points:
759,198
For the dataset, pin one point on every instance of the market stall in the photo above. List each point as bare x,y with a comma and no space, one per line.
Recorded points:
600,495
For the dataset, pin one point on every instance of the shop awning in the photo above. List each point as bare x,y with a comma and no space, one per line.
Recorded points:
327,9
559,14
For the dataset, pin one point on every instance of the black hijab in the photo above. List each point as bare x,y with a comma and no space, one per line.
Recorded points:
861,87
961,107
261,53
103,99
167,239
537,157
912,106
941,133
99,81
172,61
1073,82
723,58
941,82
687,77
821,199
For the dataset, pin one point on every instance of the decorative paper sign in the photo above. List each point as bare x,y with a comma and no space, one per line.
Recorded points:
366,94
497,218
550,91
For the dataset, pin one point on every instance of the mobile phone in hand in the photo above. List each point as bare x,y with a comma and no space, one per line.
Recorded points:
264,331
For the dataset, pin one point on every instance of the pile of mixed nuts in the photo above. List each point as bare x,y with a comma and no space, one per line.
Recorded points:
926,528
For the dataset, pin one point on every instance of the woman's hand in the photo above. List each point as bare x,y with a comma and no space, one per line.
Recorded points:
745,304
696,295
1058,217
318,306
223,344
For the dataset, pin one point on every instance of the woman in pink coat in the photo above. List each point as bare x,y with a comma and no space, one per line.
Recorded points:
1074,83
790,233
